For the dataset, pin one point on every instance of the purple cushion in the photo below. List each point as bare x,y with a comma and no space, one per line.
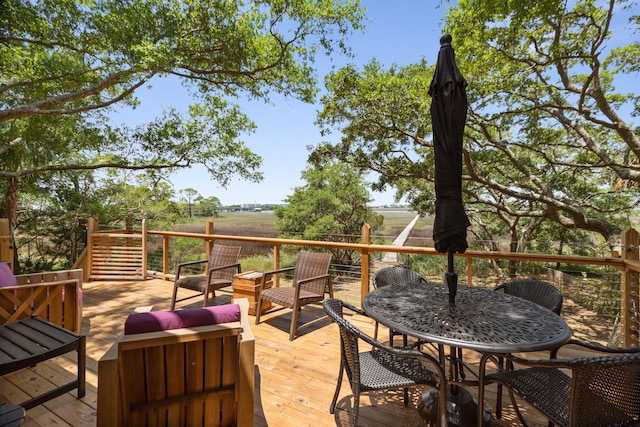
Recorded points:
6,276
138,323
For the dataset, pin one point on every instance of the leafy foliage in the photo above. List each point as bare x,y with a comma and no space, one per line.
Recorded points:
64,65
548,135
332,206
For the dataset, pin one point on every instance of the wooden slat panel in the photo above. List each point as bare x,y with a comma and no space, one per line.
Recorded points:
230,376
213,351
45,299
132,380
155,373
194,367
55,305
175,382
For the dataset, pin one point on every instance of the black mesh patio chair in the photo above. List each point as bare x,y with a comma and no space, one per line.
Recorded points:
384,367
598,390
390,276
542,293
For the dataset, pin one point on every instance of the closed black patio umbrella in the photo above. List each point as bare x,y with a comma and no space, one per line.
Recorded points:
448,116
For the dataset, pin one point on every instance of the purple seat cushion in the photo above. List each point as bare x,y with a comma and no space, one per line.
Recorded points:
138,323
6,276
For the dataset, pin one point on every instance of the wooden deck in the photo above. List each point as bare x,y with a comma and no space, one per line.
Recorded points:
295,381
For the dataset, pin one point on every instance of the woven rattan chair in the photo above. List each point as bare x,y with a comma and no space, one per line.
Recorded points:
222,266
390,276
542,293
599,390
311,280
382,368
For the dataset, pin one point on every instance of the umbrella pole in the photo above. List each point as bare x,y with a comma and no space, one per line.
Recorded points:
452,279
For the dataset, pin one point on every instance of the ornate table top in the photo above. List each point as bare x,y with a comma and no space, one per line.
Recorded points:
480,319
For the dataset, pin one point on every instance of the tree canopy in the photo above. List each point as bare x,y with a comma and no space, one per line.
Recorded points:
65,64
549,133
331,206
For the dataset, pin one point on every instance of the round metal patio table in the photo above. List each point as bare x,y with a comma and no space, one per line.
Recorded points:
480,319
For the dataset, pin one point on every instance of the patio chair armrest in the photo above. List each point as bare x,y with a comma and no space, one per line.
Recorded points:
267,275
354,309
187,263
311,279
280,270
602,348
224,267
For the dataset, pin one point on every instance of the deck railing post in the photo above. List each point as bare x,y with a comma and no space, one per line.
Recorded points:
208,244
92,228
144,249
365,258
276,265
6,243
630,303
165,257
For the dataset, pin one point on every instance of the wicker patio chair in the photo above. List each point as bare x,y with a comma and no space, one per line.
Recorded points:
311,279
598,390
222,266
542,293
384,367
390,276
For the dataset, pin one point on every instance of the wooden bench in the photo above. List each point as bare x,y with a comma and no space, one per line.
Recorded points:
40,319
223,384
29,341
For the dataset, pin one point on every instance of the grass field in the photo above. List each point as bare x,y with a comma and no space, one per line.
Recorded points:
262,224
395,220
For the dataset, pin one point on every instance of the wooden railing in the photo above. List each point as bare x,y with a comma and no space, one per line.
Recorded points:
627,263
122,255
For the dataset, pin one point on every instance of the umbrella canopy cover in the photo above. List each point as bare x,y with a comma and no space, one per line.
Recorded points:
448,115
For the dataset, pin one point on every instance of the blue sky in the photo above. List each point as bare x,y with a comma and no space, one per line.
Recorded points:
400,32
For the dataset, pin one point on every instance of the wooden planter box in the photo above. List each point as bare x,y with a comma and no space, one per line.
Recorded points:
247,285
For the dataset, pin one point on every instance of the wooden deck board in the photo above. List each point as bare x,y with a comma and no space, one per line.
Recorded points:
295,380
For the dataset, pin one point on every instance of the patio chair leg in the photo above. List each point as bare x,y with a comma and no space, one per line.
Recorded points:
294,320
332,408
258,310
206,298
356,407
175,296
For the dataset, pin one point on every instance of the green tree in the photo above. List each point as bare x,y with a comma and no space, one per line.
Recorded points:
208,206
331,206
548,136
65,64
189,195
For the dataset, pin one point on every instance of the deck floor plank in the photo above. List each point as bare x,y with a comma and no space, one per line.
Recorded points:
295,380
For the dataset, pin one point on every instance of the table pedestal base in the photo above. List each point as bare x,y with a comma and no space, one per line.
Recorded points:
461,408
